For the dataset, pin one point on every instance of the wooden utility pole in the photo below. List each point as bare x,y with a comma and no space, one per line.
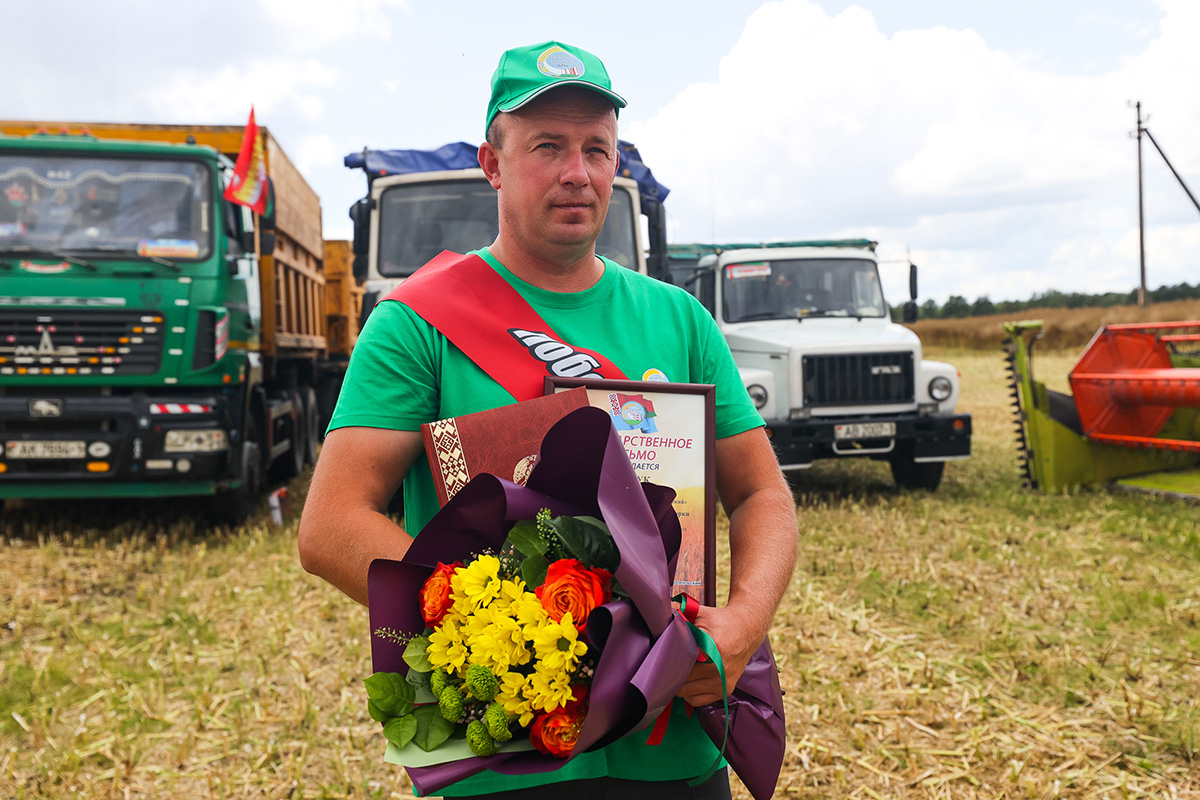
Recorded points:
1142,129
1141,213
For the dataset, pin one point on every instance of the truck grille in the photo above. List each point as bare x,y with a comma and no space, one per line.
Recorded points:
858,379
80,342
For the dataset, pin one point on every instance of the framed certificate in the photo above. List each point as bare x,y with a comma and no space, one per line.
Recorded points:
669,432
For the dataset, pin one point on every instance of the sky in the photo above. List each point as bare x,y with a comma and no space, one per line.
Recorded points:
989,142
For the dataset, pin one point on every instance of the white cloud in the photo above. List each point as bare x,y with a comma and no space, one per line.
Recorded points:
318,151
311,24
1005,175
192,94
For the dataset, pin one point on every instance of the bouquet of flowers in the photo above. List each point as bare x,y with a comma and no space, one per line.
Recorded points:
497,655
528,624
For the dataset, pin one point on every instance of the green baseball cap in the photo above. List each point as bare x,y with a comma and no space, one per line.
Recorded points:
526,72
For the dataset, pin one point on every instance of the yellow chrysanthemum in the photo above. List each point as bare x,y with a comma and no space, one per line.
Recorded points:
510,594
530,613
447,647
512,697
477,584
548,690
557,645
495,640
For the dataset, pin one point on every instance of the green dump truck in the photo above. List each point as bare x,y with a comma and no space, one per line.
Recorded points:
157,340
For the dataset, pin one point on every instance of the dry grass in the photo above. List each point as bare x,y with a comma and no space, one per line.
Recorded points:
1065,328
977,642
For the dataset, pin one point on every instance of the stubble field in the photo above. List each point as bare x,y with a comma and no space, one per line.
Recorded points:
979,642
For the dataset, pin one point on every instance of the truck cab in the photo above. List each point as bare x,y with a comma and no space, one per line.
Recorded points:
421,202
832,375
156,339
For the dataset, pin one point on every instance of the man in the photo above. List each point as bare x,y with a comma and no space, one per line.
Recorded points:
551,155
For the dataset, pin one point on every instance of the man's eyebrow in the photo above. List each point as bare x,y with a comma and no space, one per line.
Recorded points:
558,137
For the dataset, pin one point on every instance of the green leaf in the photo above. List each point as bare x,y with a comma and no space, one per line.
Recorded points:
377,713
401,730
390,693
533,570
525,538
415,654
432,727
417,680
588,540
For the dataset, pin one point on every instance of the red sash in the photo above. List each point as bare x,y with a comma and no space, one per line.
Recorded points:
489,321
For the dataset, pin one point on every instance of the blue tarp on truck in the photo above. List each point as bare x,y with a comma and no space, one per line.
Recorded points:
460,155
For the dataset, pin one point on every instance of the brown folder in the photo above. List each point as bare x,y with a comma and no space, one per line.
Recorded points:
501,441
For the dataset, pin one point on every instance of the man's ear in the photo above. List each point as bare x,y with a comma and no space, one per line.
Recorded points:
489,161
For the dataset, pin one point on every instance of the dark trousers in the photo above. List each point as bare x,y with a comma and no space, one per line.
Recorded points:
715,788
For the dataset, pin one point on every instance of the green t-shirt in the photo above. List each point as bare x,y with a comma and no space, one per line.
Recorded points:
403,373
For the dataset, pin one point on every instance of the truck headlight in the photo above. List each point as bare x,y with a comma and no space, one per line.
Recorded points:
758,394
195,441
940,388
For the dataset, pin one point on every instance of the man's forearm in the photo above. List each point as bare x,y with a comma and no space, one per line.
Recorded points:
762,543
341,550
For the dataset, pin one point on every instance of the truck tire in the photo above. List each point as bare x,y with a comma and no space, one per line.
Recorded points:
234,508
311,427
910,474
292,463
328,389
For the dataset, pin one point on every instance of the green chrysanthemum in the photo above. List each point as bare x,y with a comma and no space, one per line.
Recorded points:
437,682
482,683
496,720
450,703
479,740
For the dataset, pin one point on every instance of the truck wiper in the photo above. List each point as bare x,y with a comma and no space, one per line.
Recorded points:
760,315
155,259
41,252
164,262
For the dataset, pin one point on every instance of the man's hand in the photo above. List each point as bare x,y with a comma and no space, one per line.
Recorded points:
703,685
762,546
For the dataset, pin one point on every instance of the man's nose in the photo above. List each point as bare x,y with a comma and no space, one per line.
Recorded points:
574,169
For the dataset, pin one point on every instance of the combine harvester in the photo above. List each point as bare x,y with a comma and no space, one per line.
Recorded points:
1133,420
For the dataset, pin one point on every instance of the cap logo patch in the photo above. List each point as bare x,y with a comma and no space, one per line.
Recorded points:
558,63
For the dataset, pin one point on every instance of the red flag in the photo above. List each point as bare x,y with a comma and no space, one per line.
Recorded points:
248,187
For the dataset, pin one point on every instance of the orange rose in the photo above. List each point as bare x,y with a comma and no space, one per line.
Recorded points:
435,594
555,733
570,586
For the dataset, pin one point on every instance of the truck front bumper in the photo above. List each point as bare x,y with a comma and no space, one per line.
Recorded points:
76,445
917,437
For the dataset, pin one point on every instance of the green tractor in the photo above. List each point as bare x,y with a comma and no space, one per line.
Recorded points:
1132,419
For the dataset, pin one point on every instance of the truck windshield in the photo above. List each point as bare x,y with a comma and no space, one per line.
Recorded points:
419,220
104,207
798,288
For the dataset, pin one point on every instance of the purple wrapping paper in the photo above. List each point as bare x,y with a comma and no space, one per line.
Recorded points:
646,647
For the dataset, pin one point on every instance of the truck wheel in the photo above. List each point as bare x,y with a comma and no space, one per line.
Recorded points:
912,475
292,463
237,506
311,427
328,389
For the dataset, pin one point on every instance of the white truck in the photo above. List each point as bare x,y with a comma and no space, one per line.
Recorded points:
420,202
832,375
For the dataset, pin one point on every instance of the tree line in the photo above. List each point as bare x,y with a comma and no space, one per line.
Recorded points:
958,307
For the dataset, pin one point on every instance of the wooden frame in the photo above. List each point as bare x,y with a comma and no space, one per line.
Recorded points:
691,409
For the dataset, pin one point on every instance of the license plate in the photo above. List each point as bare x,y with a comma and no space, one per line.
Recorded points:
46,449
865,430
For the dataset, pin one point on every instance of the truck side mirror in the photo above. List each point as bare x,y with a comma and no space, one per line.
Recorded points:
656,225
360,215
912,283
910,312
266,222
